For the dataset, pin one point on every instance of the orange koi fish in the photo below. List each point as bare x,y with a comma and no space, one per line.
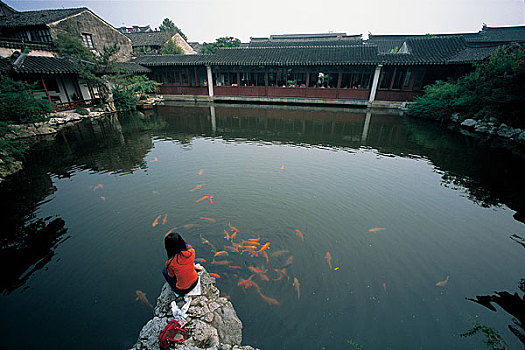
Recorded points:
221,262
211,199
165,218
103,198
227,235
233,228
97,187
233,235
269,300
329,259
282,273
170,231
222,252
143,298
299,233
254,239
205,241
235,267
256,270
201,199
279,252
208,219
241,281
297,287
263,277
249,246
200,172
231,249
442,283
214,275
251,243
266,256
375,229
154,160
156,222
190,226
282,167
289,261
266,245
195,188
200,260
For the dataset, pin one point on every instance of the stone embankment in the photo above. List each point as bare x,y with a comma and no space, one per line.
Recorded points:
212,321
493,131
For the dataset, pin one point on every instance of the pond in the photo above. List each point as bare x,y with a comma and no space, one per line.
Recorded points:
380,227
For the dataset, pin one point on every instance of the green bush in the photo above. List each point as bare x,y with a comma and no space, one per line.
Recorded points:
17,103
10,148
495,89
125,99
82,111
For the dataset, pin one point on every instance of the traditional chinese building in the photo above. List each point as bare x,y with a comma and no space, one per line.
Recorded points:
323,68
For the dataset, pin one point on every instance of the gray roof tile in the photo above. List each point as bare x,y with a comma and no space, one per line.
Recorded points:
38,18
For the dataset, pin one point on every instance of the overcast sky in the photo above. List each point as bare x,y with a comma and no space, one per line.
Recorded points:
206,20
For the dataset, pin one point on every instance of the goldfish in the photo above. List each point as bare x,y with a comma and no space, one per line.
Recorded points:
214,275
227,235
299,233
200,172
222,252
442,283
205,241
279,252
256,270
254,239
156,222
233,235
297,287
266,256
200,260
195,188
329,259
251,243
384,286
190,225
164,220
208,219
167,233
143,298
211,199
266,245
231,249
201,199
289,261
246,281
97,187
269,300
233,228
282,167
221,262
282,273
235,267
103,198
154,160
375,229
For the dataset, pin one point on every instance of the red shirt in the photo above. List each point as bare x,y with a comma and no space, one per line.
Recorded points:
182,267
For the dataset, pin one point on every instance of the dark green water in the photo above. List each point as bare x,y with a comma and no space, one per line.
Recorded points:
73,253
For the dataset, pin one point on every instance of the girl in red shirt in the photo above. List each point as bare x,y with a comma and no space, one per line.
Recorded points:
180,271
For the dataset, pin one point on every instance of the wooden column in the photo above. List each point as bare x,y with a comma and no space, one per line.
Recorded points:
266,82
45,89
196,77
307,78
375,82
210,81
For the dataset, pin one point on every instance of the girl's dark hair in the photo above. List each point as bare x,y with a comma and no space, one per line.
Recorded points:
174,245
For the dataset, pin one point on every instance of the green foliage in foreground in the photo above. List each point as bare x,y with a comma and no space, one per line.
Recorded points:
10,148
128,90
493,339
17,103
495,89
124,99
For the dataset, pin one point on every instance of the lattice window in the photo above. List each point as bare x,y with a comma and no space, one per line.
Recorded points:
87,40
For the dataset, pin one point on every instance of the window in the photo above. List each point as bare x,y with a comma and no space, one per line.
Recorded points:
398,79
87,40
386,78
40,35
407,79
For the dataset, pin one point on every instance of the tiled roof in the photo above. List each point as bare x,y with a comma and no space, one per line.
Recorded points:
269,43
172,60
46,65
156,38
502,34
32,46
38,18
133,67
5,65
473,54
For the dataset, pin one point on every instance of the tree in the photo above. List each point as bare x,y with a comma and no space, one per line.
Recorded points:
170,29
227,41
171,48
17,103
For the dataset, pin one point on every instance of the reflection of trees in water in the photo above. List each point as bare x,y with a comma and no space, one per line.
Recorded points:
107,144
511,303
29,249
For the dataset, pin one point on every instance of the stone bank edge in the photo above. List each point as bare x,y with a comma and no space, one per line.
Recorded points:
212,321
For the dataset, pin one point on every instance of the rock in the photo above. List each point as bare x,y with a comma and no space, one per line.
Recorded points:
455,117
506,131
469,123
481,129
521,137
212,321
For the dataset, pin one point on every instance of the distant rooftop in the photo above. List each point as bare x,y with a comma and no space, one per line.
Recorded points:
37,18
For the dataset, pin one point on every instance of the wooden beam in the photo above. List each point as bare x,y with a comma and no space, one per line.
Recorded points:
47,92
